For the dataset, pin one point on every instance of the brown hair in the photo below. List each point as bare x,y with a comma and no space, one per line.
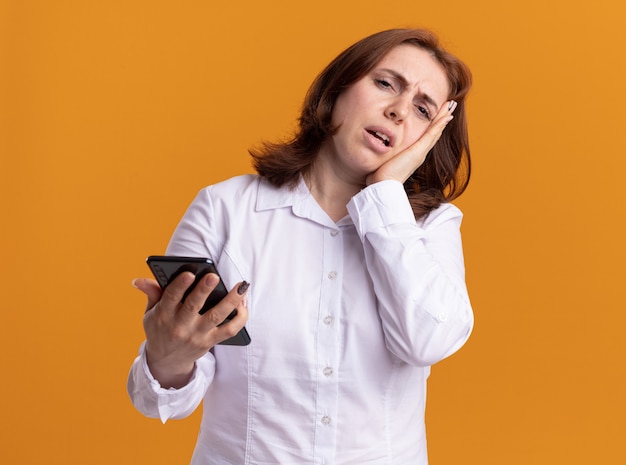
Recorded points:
445,173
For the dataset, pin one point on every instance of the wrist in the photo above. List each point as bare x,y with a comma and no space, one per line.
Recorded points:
170,374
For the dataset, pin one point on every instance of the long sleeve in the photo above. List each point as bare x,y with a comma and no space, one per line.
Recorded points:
153,401
418,273
192,237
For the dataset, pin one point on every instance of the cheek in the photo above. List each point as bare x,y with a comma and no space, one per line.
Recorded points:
341,110
336,118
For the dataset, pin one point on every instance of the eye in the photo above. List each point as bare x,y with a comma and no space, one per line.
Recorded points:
423,112
384,84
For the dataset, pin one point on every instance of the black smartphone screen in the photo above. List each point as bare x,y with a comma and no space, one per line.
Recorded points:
166,268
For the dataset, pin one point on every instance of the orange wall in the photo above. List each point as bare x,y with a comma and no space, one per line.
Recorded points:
114,113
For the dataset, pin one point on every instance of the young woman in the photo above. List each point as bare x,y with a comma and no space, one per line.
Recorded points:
355,258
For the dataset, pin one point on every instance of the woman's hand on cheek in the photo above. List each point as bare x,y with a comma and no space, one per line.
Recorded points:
402,165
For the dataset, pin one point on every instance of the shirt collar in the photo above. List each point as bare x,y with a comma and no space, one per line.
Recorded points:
271,197
299,199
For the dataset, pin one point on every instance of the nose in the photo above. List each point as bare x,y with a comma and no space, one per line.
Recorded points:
397,111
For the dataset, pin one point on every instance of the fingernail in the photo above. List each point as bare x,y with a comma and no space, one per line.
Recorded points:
243,287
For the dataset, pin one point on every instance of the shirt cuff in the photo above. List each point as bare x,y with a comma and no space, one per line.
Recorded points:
170,401
380,205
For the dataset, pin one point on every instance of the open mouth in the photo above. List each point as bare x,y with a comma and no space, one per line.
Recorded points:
384,138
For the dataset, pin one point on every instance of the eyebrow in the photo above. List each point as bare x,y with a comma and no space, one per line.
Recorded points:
403,81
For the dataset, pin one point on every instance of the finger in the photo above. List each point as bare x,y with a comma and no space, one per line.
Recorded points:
427,141
440,121
174,292
219,313
196,299
231,326
149,287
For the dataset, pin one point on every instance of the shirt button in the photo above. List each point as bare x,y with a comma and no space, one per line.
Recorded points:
332,275
334,232
325,420
328,371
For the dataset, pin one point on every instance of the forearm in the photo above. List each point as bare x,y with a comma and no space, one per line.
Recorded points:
426,315
418,274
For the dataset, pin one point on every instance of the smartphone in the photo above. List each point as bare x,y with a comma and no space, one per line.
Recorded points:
166,268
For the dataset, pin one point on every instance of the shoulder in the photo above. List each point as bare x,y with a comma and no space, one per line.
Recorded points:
235,185
249,192
246,190
209,220
445,213
237,188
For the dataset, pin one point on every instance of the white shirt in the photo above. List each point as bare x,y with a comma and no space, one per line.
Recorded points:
345,320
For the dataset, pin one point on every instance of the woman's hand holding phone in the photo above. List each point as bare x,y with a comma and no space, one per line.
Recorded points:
176,334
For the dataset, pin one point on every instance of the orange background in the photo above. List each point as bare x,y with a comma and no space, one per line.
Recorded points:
115,113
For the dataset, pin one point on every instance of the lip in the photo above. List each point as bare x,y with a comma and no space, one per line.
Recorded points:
375,142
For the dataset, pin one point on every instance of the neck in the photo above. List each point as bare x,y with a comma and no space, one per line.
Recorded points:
330,190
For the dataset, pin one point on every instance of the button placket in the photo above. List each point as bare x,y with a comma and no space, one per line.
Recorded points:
328,345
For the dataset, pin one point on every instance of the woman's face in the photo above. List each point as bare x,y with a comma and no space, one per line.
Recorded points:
386,111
